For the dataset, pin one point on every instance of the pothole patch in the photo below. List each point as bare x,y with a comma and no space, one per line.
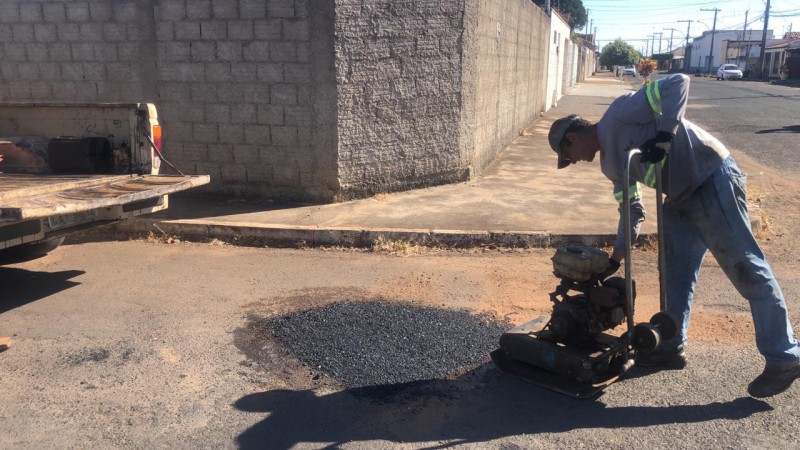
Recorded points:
379,343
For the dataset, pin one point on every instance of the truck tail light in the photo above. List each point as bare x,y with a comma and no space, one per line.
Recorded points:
157,140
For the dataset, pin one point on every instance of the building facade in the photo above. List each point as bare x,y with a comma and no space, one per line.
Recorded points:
704,58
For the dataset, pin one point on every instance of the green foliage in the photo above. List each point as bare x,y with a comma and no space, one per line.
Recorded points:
646,67
573,11
618,53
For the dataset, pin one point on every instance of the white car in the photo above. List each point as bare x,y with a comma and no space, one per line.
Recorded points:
629,70
729,71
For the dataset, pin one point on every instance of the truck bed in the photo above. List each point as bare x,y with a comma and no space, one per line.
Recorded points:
25,197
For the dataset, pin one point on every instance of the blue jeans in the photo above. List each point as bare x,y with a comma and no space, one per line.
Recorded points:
715,218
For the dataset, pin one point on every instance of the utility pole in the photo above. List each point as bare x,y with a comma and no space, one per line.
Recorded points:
587,22
660,36
744,38
688,25
653,45
762,58
671,32
744,32
713,33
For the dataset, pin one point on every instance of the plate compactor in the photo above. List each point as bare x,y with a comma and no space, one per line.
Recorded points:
571,352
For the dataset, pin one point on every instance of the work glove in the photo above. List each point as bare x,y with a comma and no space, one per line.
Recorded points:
655,149
613,267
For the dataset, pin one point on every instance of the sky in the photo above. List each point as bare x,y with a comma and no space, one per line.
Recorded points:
636,21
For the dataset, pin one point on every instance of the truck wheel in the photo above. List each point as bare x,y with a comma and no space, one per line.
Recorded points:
30,251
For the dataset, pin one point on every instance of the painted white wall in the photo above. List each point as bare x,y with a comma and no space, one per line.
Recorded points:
701,47
559,34
574,71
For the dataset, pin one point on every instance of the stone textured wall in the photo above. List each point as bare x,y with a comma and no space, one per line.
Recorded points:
398,72
430,91
245,90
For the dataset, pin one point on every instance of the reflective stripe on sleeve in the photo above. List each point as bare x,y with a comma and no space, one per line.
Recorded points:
650,175
654,97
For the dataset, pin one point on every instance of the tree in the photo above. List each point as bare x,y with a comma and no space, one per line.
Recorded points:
573,10
618,53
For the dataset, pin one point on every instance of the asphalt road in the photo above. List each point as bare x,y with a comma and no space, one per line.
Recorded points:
148,345
757,118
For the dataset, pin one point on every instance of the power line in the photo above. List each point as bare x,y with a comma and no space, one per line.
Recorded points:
650,8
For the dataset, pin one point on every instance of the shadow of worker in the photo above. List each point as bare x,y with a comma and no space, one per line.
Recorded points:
472,409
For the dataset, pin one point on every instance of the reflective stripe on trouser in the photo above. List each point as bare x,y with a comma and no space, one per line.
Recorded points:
715,218
633,192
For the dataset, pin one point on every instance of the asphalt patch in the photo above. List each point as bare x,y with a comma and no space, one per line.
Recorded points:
96,355
377,343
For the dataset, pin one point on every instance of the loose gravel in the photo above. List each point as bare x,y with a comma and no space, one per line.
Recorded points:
375,343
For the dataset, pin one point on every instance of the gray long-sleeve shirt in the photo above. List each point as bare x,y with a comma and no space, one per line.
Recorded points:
630,121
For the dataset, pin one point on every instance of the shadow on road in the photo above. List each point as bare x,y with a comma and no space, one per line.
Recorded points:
786,129
480,406
19,287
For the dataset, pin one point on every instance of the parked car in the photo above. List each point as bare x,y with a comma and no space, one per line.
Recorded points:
629,70
729,71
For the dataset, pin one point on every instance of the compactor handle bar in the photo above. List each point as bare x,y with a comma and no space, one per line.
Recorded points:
626,223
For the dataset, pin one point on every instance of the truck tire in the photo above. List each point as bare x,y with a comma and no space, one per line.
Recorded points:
30,251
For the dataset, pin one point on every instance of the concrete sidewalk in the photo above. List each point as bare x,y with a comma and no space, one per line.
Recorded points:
520,200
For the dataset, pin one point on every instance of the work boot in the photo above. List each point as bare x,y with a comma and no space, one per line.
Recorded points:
664,359
773,381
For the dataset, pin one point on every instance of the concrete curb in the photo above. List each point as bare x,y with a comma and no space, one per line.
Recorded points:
283,235
279,235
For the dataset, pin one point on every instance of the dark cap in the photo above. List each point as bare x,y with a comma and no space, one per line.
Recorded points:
556,136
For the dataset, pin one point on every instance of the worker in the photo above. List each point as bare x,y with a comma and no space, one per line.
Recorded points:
705,209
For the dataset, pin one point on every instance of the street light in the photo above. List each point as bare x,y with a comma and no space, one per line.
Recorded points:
708,28
670,37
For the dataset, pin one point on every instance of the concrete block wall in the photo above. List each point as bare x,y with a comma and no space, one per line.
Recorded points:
245,90
245,82
76,51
